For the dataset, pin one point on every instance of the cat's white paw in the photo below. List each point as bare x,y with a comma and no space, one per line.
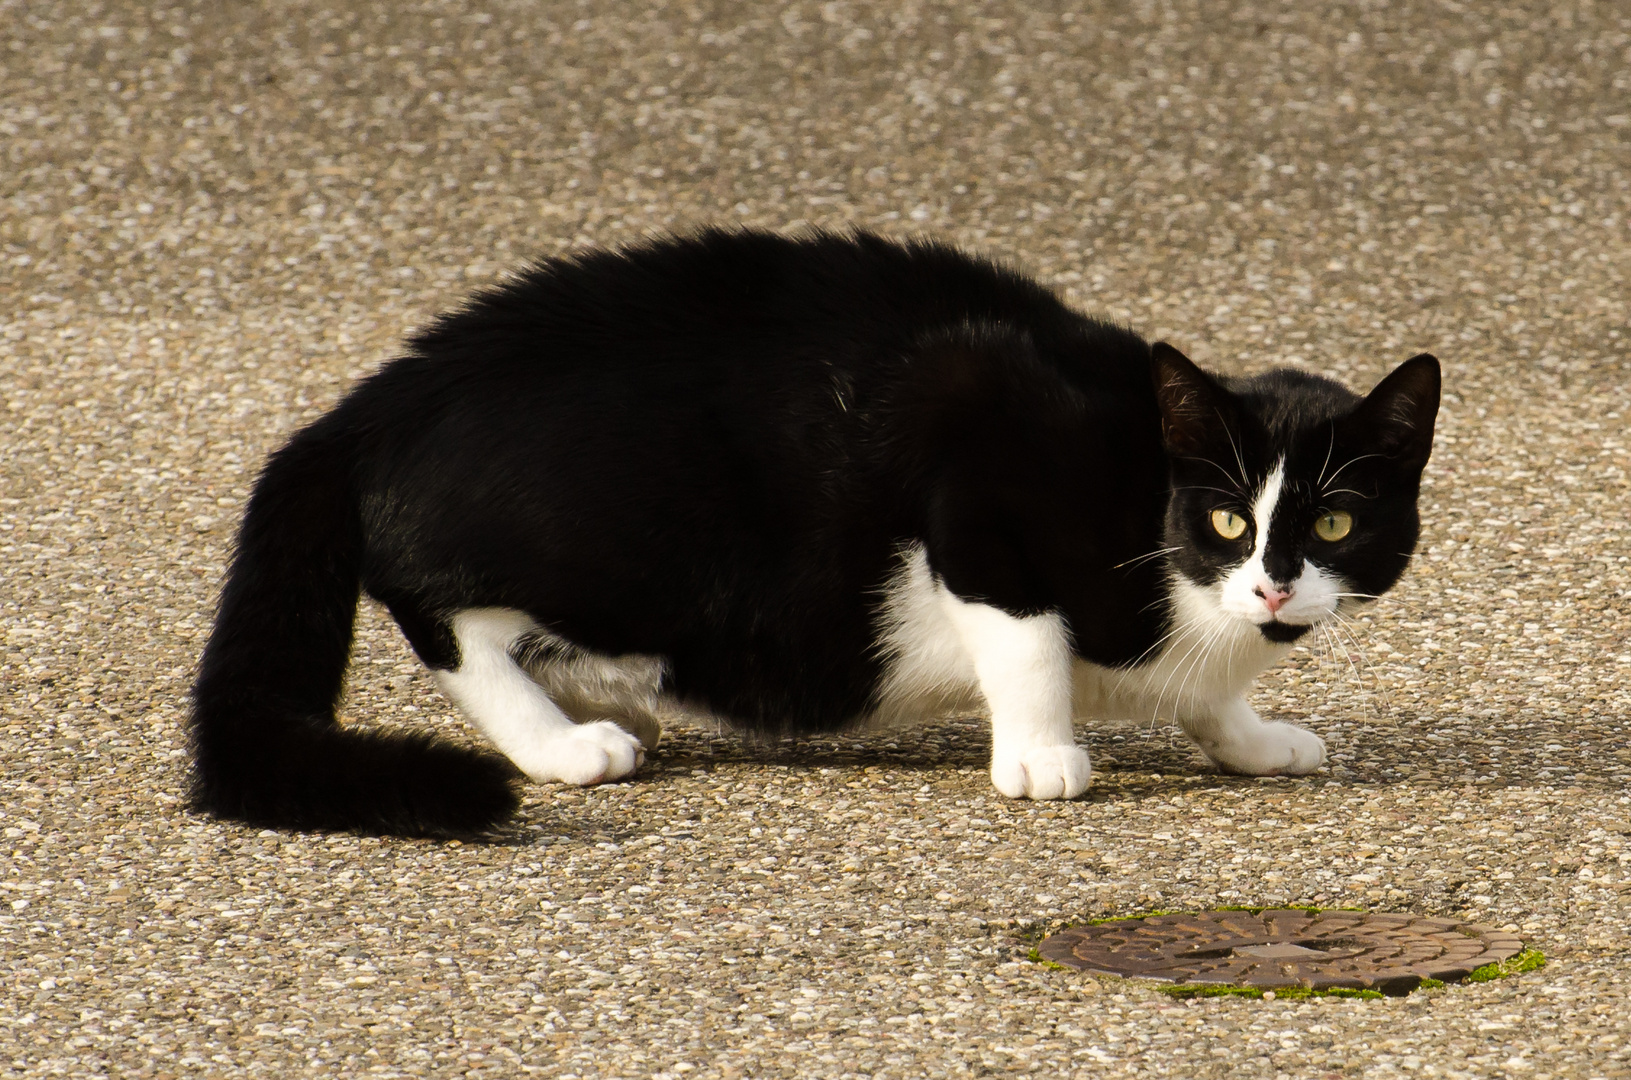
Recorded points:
1042,772
1272,749
588,754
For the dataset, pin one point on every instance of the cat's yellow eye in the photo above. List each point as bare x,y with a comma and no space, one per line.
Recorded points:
1333,526
1229,525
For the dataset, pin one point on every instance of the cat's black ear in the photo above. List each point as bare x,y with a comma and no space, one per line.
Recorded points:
1195,410
1397,417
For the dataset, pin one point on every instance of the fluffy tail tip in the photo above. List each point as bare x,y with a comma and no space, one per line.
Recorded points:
344,780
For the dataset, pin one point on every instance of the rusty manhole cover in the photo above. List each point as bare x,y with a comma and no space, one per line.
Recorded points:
1285,948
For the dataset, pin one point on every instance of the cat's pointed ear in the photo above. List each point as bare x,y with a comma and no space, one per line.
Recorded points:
1397,417
1195,410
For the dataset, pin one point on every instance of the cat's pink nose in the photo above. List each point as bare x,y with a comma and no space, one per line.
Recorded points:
1272,598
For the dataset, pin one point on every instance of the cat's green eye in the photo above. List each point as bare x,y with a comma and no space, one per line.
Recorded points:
1229,525
1333,526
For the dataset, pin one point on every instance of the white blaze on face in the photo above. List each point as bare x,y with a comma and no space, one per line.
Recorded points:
1248,591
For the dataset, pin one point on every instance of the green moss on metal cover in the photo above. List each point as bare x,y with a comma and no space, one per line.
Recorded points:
1036,957
1528,960
1288,993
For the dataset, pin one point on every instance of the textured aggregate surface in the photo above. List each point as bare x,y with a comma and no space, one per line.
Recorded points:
214,217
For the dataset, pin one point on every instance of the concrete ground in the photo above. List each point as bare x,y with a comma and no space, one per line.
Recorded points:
215,217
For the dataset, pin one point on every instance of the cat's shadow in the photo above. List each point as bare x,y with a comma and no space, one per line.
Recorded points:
1142,758
935,747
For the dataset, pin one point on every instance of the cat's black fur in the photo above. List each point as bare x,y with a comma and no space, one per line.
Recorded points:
713,450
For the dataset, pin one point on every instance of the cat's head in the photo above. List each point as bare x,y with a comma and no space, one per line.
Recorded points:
1292,495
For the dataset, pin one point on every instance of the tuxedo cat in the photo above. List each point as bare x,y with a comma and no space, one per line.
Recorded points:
795,485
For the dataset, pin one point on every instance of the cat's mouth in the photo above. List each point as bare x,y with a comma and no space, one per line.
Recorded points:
1284,633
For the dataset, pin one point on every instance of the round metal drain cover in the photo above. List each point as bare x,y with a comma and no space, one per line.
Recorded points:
1285,948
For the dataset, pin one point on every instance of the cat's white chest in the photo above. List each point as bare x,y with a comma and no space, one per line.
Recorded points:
927,669
1207,657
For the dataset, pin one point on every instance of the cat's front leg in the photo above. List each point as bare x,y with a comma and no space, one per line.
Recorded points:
1023,665
1239,741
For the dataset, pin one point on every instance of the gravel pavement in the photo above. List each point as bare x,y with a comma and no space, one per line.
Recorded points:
215,217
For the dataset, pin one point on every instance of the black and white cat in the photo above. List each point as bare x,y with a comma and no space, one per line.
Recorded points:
794,484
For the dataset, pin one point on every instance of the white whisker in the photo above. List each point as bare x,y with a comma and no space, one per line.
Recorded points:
1245,485
1344,626
1352,461
1159,641
1204,487
1378,598
1195,668
1241,491
1161,694
1157,553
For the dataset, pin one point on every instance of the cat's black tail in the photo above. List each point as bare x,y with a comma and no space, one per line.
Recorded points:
266,746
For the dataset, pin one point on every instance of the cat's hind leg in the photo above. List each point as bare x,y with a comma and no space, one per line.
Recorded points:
627,690
518,715
1239,741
